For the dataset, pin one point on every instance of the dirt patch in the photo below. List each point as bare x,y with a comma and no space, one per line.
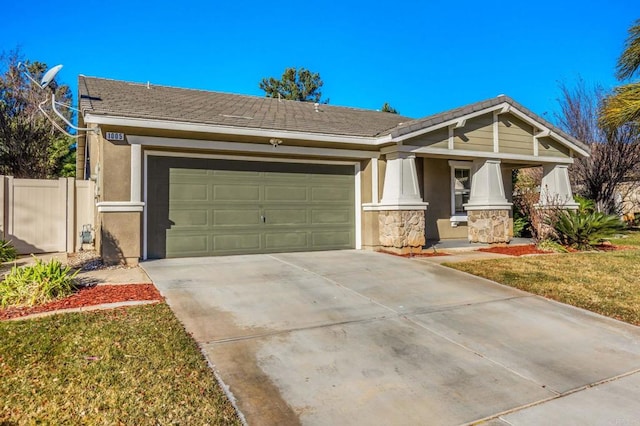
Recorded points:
514,250
421,254
89,297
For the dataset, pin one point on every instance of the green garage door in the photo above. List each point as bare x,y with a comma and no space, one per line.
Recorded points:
199,207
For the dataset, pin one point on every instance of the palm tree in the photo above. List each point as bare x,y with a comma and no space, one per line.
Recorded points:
624,105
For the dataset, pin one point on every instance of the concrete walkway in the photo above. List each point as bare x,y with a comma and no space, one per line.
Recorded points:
355,337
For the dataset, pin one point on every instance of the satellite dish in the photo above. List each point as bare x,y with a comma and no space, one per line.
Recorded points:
48,77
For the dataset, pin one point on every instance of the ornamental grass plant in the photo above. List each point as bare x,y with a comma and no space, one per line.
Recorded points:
38,283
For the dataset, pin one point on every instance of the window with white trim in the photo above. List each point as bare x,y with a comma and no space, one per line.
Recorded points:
460,189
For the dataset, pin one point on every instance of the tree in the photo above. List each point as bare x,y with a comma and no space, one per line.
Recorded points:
614,164
388,108
623,106
295,84
30,145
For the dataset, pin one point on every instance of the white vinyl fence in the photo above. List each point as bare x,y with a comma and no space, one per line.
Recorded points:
42,215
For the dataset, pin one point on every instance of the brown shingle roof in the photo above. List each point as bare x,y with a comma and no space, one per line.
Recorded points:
134,100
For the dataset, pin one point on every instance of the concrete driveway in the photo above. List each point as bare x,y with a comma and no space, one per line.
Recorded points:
362,338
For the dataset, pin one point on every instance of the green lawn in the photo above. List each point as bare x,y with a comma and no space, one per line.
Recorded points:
605,283
127,366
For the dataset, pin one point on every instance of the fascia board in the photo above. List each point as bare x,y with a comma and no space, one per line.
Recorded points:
229,130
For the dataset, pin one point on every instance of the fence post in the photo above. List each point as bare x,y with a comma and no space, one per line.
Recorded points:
71,214
3,208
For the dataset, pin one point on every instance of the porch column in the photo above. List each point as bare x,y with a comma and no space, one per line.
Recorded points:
488,209
555,189
401,210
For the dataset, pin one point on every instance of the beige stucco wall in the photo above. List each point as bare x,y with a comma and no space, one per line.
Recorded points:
120,235
369,225
437,192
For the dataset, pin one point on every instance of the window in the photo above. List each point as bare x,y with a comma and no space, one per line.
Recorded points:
460,190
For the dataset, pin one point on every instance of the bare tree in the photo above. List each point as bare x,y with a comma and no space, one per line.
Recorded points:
30,146
615,152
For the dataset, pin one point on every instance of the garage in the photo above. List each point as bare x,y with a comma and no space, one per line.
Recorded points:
209,207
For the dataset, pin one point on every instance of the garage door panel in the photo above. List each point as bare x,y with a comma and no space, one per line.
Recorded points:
188,192
236,192
331,194
322,239
236,217
189,218
333,217
285,193
187,244
235,174
236,243
290,216
290,240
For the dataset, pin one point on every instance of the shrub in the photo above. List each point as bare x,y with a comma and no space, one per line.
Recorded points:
520,225
582,230
35,284
7,251
550,245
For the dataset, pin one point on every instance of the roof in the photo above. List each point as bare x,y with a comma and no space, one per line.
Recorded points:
115,98
135,100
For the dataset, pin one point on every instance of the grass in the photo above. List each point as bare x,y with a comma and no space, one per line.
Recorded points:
607,283
125,366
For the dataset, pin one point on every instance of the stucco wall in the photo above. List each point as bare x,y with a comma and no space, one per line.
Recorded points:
437,192
120,235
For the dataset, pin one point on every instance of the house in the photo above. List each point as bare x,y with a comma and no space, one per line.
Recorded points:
183,172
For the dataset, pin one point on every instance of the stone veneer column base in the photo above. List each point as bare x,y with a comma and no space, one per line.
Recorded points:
401,229
489,226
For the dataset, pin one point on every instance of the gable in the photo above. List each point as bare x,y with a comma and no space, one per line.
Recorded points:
503,131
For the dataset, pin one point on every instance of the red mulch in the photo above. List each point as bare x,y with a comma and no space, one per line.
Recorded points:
532,249
514,250
89,297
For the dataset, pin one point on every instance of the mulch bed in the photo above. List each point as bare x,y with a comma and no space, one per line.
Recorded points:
90,296
532,249
514,250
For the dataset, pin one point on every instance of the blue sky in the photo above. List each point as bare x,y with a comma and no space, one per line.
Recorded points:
422,57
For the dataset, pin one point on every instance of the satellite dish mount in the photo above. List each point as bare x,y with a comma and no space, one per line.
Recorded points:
48,81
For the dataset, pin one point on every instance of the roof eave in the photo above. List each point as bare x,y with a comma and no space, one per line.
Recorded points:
103,119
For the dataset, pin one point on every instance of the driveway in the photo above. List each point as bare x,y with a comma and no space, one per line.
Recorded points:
362,338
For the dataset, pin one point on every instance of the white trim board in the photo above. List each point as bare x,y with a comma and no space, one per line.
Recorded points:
355,164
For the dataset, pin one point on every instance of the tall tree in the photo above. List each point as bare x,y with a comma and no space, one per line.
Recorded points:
295,84
30,145
388,108
623,106
614,164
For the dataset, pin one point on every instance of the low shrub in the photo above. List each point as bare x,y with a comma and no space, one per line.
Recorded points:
7,251
583,230
35,284
550,245
520,225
